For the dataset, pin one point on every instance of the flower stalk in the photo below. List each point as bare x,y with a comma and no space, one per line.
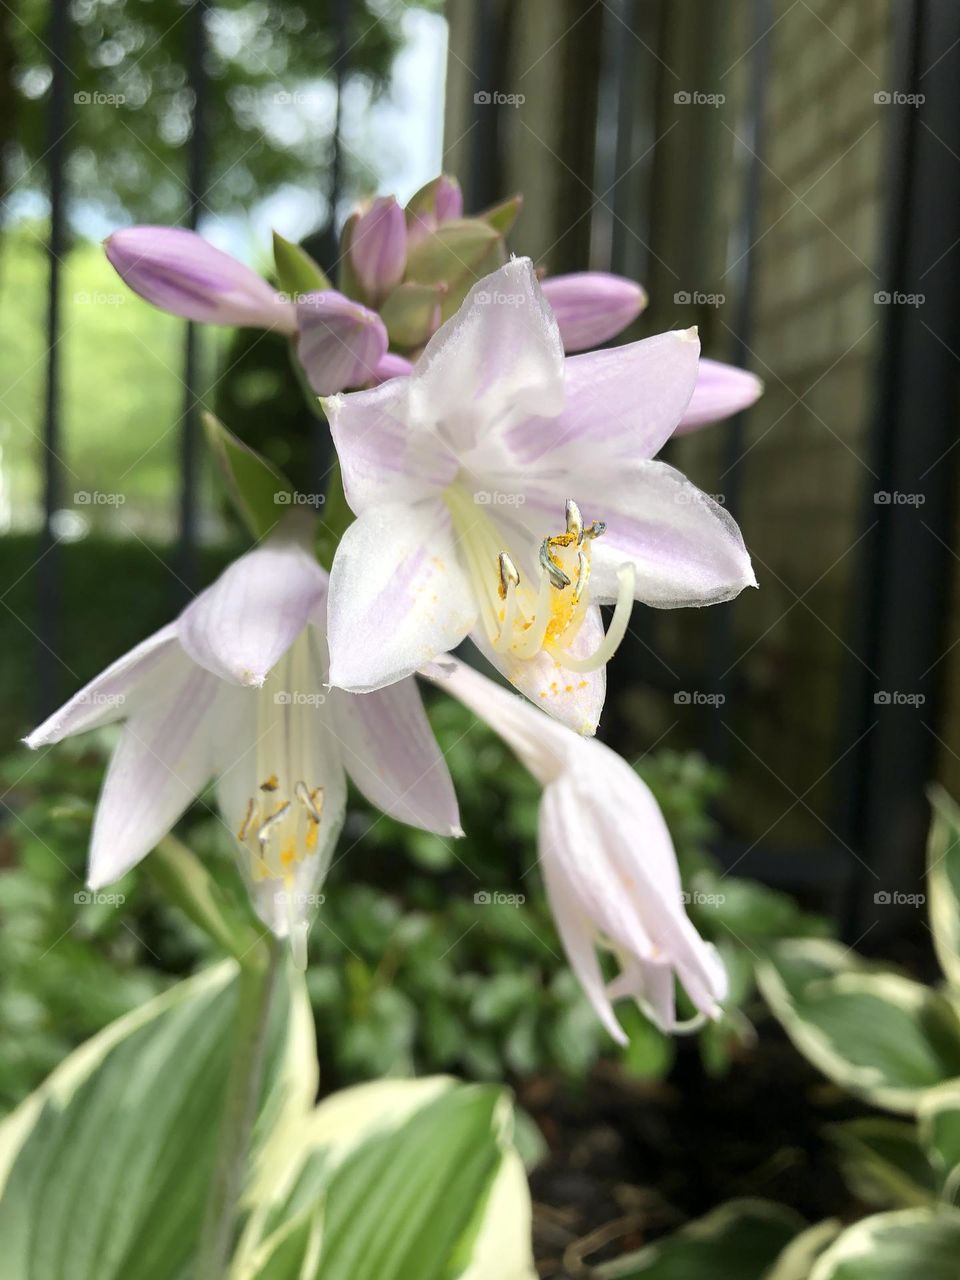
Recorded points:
256,986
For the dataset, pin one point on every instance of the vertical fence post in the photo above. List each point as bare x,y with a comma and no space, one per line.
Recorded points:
189,422
49,566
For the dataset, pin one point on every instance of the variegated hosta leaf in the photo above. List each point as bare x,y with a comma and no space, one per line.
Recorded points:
873,1032
797,1259
943,882
884,1162
939,1129
394,1180
911,1244
104,1169
738,1241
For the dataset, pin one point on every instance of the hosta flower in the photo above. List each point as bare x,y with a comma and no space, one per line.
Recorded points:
234,689
721,390
607,860
378,247
592,306
504,492
339,342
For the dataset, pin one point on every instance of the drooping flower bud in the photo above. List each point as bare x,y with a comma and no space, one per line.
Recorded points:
340,343
721,391
179,272
592,306
439,201
378,248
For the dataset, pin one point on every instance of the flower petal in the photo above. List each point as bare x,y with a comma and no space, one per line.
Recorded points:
391,365
721,391
572,697
178,271
398,595
242,625
378,247
499,358
163,760
620,405
389,750
110,695
382,457
340,343
592,306
686,548
575,928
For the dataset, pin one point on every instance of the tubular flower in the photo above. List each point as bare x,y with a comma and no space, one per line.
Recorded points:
504,492
339,342
607,859
591,307
721,391
234,689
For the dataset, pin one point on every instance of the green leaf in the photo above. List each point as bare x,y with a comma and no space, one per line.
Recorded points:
877,1034
260,493
797,1259
297,272
187,882
411,313
407,1175
884,1163
910,1244
502,216
939,1122
738,1241
105,1168
346,276
943,882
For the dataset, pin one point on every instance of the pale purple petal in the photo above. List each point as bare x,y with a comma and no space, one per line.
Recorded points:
497,360
592,306
340,343
390,752
163,760
572,697
576,929
378,247
242,625
382,458
391,365
620,405
686,548
721,391
398,595
180,272
109,696
440,201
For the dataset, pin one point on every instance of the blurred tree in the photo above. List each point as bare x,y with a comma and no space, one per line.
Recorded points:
271,109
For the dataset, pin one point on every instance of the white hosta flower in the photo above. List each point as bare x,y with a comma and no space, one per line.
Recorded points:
607,859
234,689
504,492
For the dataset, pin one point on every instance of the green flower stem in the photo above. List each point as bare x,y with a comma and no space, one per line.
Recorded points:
256,982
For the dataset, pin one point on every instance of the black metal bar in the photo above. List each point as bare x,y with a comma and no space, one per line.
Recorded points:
196,185
907,565
721,660
49,566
